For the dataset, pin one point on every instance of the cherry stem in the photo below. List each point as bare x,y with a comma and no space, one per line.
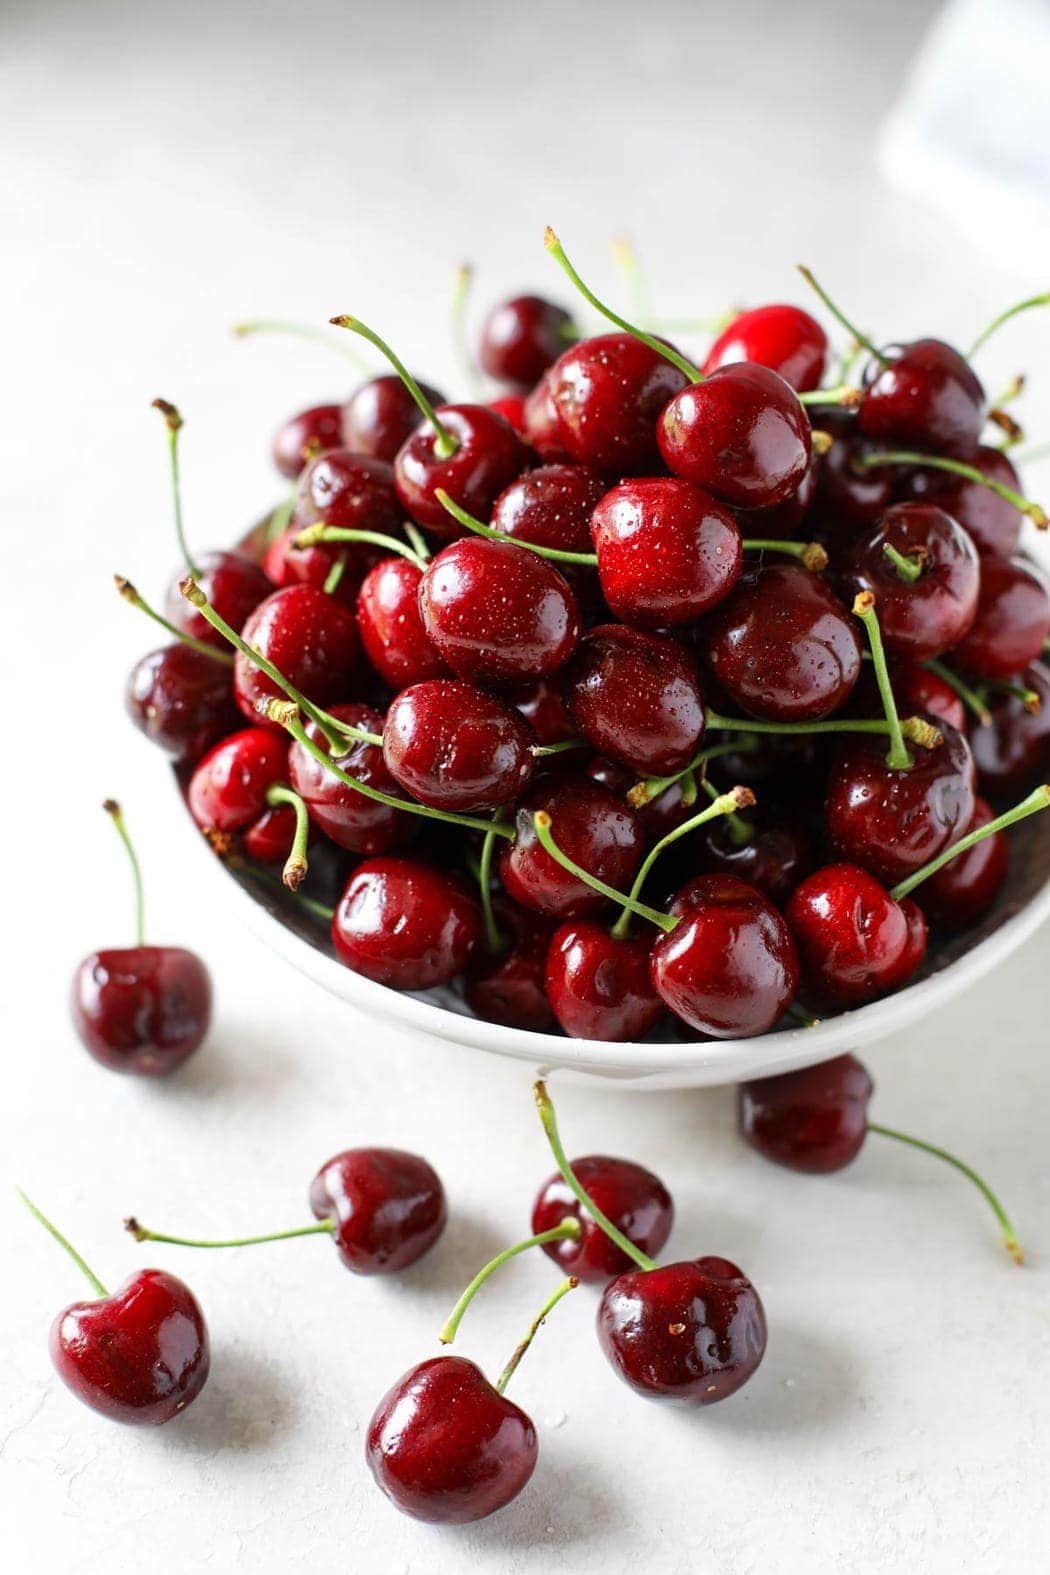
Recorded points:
847,394
549,1122
541,1317
1004,317
540,750
628,265
417,539
173,422
305,331
1037,800
840,317
542,822
115,814
811,553
909,566
445,443
1013,430
914,728
493,938
462,280
286,715
554,246
897,757
315,534
1013,390
741,832
295,865
95,1282
955,467
569,1229
334,575
140,1233
470,523
130,594
1029,698
309,905
651,787
723,804
281,517
1009,1235
969,697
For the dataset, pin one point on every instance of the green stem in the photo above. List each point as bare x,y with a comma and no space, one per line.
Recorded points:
541,750
281,517
632,276
897,757
840,317
651,787
140,1233
314,534
493,938
1012,391
549,1122
470,523
306,331
740,831
955,467
445,443
309,905
1004,317
113,810
541,1317
840,394
295,865
913,728
173,422
1029,698
1009,1235
416,540
334,575
92,1278
909,567
1037,800
969,697
724,804
457,314
568,1230
130,594
811,553
542,822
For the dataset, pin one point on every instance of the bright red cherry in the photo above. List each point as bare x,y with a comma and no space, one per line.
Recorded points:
1012,750
692,1332
405,924
512,408
784,338
445,1446
306,434
455,746
387,1207
964,890
497,613
382,415
521,338
594,827
1012,625
634,1199
855,942
507,986
232,583
814,1120
636,698
228,789
599,403
923,395
485,457
363,825
306,635
667,552
182,700
990,520
598,984
741,434
391,625
925,574
550,506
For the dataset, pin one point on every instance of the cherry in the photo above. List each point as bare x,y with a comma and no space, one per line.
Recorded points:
306,434
550,506
140,1009
925,573
1012,749
667,552
363,825
308,636
598,984
445,1446
181,699
784,520
229,789
507,985
964,890
774,858
923,691
597,830
599,403
849,498
1012,624
340,490
454,746
782,645
783,338
923,395
542,704
382,415
512,408
741,434
391,625
854,940
635,696
990,519
496,613
521,338
387,1207
405,924
635,1200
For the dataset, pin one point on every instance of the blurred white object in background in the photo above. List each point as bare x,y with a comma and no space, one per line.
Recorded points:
971,130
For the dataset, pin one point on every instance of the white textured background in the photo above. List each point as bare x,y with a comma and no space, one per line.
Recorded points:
165,171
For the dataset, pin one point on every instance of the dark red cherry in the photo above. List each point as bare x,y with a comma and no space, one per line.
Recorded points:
667,552
634,1199
455,746
1012,751
391,625
636,698
345,491
550,506
784,521
598,984
692,1332
542,704
741,434
849,499
854,941
497,613
782,645
776,858
232,583
228,789
522,337
140,1355
381,415
512,408
387,1206
598,404
445,1446
923,617
405,924
1012,624
306,434
487,457
925,396
309,637
597,830
814,1120
182,700
141,1009
363,825
729,966
784,338
991,521
893,822
964,890
507,986
920,692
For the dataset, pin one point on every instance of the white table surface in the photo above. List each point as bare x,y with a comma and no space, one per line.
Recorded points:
165,171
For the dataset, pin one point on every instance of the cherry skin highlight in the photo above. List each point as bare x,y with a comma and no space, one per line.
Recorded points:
594,827
362,825
141,1009
814,1120
521,338
388,1207
924,396
785,339
405,924
598,984
488,455
924,617
634,1199
636,697
182,700
309,637
391,625
382,415
455,746
599,403
741,434
1012,624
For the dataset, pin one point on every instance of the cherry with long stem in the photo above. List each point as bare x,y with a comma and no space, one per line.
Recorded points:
52,1230
308,331
131,595
898,757
1037,800
113,810
445,443
955,467
724,804
173,422
542,824
914,728
540,1319
1004,317
1009,1235
568,1230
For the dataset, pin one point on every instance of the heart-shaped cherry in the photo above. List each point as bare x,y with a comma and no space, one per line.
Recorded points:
634,1199
521,337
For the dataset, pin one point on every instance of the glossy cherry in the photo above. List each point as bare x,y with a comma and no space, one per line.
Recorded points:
550,506
599,984
785,339
964,890
381,415
855,941
303,435
182,700
391,625
923,395
233,583
667,551
1012,750
636,697
925,574
405,924
849,499
634,1199
1012,625
542,704
228,790
350,819
814,1120
597,830
306,634
387,1207
455,746
776,856
487,456
343,491
741,434
507,985
512,408
522,337
990,520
